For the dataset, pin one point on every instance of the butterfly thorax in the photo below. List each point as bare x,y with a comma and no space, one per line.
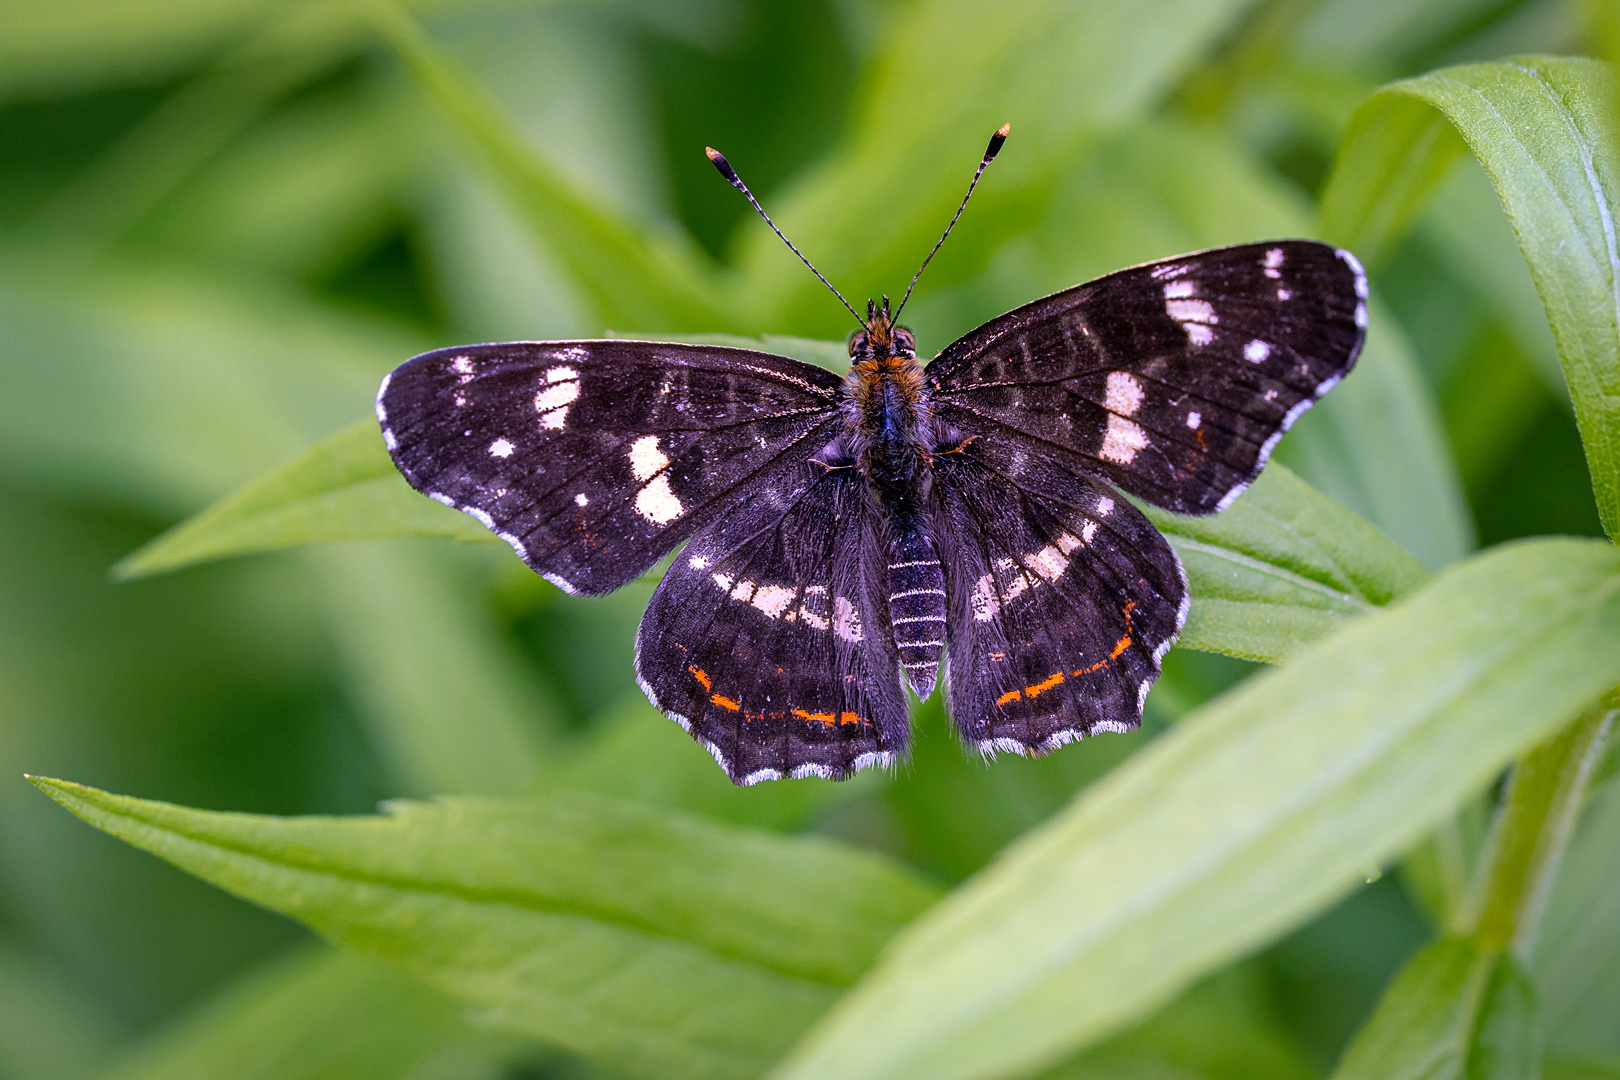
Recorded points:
888,425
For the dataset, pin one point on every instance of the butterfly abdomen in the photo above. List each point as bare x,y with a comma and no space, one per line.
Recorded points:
917,606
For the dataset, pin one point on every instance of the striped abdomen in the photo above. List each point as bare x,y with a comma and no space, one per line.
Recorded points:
917,608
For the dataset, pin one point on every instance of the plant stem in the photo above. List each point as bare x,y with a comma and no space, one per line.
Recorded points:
1533,829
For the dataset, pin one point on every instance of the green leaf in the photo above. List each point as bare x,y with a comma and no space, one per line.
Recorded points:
1577,958
1541,126
1251,814
630,274
1424,1026
658,944
342,488
1532,831
1283,566
1457,1011
316,1015
1507,1036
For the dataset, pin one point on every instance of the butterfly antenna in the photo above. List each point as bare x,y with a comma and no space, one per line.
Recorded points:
989,155
735,181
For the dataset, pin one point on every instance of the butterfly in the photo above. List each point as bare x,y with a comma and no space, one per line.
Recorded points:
847,537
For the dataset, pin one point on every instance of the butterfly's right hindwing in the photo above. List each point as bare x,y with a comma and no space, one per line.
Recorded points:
594,459
1063,600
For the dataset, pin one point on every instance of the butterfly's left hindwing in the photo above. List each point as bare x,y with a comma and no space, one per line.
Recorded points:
1063,599
594,459
768,641
1173,380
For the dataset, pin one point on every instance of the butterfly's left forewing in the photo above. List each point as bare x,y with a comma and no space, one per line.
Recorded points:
594,459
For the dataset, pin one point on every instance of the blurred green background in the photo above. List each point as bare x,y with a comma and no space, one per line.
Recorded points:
221,221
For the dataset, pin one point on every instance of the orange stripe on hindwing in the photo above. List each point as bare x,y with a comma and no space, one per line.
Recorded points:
1057,678
830,719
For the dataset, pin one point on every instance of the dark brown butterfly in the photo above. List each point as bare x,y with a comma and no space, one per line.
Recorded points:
846,535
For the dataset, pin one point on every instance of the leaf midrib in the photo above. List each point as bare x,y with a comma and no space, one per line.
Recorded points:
1272,570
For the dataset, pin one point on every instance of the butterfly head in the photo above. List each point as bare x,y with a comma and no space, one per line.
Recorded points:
879,338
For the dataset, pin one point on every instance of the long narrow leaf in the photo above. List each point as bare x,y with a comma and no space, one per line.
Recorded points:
660,945
1541,127
1250,815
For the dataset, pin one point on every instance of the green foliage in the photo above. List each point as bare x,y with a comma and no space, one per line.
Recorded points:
224,220
1542,129
1325,768
664,946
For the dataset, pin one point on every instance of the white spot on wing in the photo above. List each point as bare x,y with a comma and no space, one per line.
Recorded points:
1193,311
501,448
773,600
1123,440
1124,393
657,502
1105,506
846,620
1273,262
561,390
463,368
646,459
1361,314
582,499
698,562
1256,351
382,413
1195,316
1180,289
1194,419
1284,294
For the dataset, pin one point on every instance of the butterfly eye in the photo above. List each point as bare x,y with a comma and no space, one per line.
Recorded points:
857,343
